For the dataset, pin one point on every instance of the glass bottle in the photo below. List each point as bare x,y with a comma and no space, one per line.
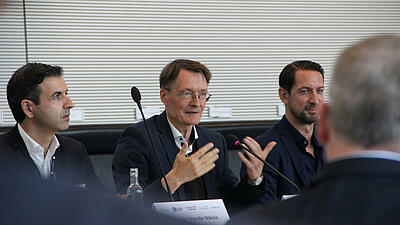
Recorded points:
134,192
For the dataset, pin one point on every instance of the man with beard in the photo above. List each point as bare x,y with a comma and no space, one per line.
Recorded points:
297,154
38,98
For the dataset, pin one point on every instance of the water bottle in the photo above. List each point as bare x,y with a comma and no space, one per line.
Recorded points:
134,192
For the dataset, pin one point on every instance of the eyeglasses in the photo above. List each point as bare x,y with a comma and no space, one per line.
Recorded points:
189,95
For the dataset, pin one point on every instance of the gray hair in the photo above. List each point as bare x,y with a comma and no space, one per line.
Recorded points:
365,95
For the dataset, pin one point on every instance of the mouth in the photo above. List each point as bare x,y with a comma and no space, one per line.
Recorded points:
312,111
192,112
66,117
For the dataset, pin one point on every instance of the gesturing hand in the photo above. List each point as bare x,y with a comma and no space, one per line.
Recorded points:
186,169
255,166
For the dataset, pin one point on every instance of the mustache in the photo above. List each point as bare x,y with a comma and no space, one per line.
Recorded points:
310,106
65,113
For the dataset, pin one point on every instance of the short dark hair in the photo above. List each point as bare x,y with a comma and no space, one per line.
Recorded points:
23,84
171,71
287,76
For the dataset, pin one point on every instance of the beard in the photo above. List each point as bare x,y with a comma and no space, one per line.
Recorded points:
303,117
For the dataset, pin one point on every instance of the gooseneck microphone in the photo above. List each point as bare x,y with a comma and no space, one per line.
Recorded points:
247,149
135,93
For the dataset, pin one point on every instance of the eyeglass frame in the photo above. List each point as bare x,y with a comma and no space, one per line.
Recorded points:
192,95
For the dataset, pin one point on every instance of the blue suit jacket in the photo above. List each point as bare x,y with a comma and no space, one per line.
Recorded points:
134,150
285,158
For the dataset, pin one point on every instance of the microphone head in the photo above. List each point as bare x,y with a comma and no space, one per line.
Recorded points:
135,93
233,139
237,143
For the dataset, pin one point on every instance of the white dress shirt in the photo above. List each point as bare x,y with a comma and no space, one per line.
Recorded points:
36,152
180,139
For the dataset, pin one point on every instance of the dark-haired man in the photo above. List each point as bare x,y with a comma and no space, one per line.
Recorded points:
297,154
194,158
38,98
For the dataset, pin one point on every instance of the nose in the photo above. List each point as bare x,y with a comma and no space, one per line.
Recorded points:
313,96
68,103
195,100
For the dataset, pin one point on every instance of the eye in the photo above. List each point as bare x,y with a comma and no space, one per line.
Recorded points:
304,92
56,95
320,91
187,94
202,95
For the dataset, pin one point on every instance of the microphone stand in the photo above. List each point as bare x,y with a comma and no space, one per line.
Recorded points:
152,145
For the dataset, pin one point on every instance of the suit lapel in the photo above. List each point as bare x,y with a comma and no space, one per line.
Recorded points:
168,148
167,140
22,153
209,182
290,146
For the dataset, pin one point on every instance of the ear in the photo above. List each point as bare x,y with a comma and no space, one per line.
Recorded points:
163,96
324,126
284,95
28,108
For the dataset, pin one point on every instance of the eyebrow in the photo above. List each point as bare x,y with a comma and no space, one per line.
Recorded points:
58,92
307,87
187,89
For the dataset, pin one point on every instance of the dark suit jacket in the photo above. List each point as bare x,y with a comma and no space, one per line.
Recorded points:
72,165
286,159
351,191
134,150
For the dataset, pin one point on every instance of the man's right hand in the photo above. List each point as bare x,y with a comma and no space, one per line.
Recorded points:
186,169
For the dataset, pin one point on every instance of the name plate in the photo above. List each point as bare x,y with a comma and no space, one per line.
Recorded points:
198,211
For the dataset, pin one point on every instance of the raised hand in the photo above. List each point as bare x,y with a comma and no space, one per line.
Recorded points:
186,169
255,166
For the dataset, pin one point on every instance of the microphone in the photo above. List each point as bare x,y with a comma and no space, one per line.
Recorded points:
135,93
247,149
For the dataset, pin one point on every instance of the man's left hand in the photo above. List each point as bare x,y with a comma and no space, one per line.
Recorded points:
254,165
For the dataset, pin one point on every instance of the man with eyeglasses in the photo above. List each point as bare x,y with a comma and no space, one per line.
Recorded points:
194,157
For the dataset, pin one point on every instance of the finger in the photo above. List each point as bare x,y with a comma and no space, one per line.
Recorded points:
202,150
245,160
252,144
205,169
254,147
268,149
210,156
250,156
183,149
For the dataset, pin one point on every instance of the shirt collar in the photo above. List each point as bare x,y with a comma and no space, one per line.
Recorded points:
179,138
33,146
298,137
377,154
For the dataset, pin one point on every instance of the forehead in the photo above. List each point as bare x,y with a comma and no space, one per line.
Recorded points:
190,80
53,84
308,78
